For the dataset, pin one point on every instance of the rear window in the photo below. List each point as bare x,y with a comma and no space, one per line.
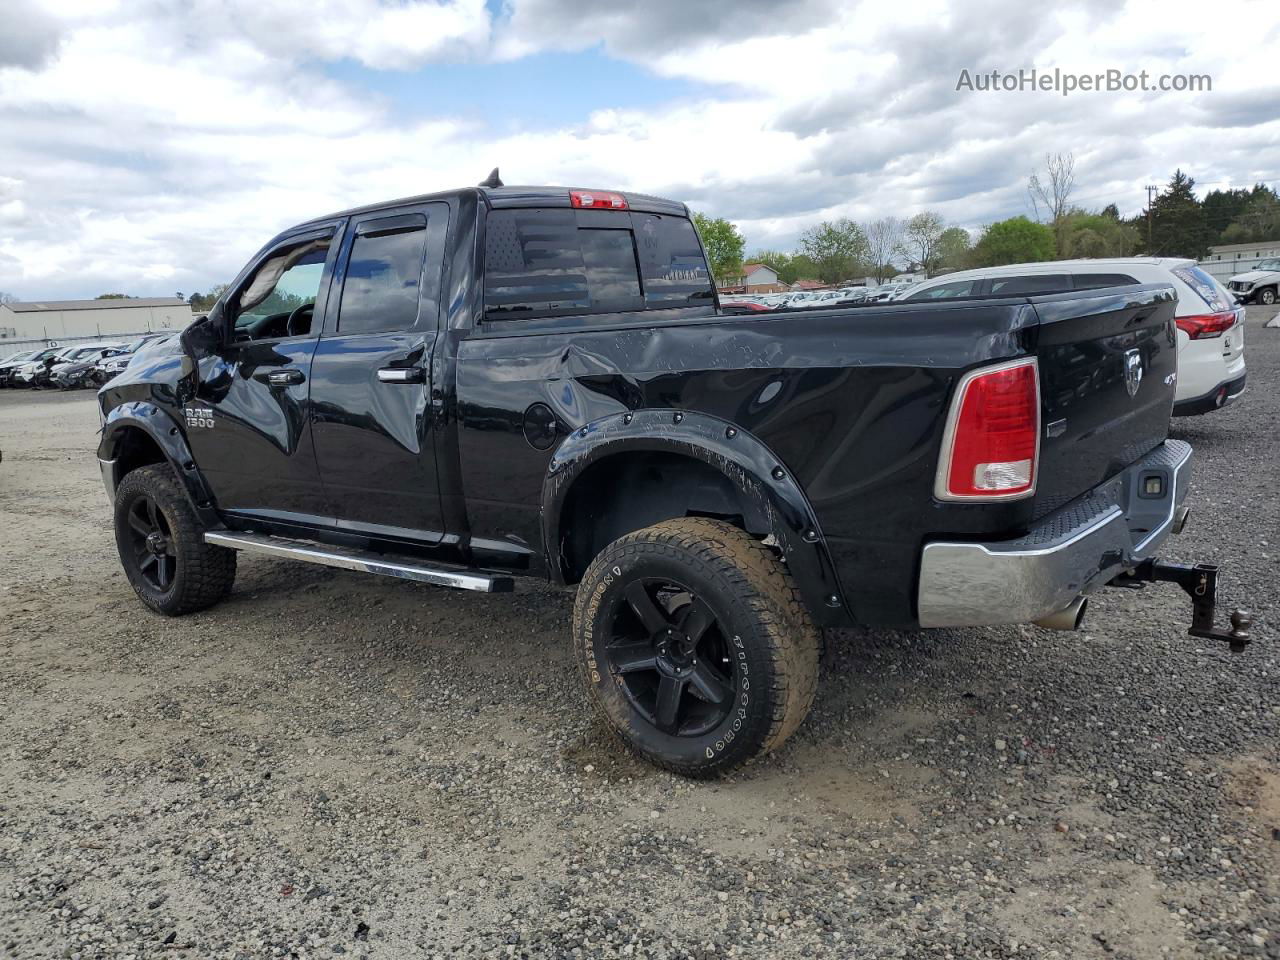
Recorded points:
945,291
1203,284
544,263
1033,283
1092,281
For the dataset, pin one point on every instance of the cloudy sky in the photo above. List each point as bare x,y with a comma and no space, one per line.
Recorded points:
150,146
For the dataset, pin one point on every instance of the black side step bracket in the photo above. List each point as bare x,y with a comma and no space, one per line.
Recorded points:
1200,581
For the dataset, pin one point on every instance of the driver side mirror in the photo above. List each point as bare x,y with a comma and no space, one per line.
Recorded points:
207,336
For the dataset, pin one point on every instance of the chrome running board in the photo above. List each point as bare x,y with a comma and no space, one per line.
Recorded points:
364,561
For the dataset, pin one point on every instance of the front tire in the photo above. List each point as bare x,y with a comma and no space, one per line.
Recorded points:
162,548
696,648
1267,297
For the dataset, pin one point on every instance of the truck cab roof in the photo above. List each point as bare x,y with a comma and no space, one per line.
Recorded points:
513,196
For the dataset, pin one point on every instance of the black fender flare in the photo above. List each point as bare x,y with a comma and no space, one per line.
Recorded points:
165,432
744,459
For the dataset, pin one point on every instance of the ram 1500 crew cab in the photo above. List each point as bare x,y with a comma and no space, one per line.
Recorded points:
472,386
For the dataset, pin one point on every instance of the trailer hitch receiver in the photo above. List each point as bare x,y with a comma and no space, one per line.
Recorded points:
1200,581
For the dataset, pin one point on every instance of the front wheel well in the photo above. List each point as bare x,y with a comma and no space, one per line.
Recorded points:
626,492
135,448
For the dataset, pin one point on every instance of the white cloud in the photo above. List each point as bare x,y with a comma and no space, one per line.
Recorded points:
152,147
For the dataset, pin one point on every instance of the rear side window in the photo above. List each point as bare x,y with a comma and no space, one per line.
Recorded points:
945,291
543,263
384,272
1033,283
1092,281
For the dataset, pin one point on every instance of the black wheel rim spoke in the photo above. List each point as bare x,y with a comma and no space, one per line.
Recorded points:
696,620
666,711
644,607
663,642
713,687
154,552
630,657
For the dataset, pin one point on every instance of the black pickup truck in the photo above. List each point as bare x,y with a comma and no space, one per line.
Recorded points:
493,382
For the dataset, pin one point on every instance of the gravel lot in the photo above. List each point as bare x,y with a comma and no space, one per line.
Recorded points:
328,764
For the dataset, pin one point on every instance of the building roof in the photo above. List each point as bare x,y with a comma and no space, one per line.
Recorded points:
37,306
749,268
1256,245
808,285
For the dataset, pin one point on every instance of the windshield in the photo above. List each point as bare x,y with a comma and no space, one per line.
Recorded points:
1272,264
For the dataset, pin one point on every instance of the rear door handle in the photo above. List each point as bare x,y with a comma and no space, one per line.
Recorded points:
402,375
284,378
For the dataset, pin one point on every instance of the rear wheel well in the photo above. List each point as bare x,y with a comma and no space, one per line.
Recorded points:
631,491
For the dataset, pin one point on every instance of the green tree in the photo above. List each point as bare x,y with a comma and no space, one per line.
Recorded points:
1096,235
774,258
920,239
1178,224
799,267
1258,219
1016,240
113,296
205,301
724,245
1222,208
836,248
954,249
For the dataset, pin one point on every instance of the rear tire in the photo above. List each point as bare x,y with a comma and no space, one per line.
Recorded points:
162,548
696,647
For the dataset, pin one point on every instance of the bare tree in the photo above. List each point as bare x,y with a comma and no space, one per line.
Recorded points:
884,237
922,240
7,297
1053,193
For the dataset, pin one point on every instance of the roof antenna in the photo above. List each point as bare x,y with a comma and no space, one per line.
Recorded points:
493,180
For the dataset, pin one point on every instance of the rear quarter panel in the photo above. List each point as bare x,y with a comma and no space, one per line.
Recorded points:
851,401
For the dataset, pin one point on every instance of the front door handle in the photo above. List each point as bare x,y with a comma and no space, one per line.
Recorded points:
285,378
402,375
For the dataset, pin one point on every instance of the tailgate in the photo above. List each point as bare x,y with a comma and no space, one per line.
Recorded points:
1108,367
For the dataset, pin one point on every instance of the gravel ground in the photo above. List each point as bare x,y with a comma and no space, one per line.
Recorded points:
329,765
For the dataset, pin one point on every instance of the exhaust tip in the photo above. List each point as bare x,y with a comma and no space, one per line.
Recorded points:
1180,519
1068,618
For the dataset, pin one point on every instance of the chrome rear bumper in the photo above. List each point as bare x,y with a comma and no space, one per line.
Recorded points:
1070,552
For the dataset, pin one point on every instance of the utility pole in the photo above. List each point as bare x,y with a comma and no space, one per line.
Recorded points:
1150,190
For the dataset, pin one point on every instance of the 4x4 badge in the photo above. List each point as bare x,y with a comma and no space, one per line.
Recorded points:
1132,371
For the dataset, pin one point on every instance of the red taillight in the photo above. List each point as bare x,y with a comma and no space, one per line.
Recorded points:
1206,326
993,435
597,200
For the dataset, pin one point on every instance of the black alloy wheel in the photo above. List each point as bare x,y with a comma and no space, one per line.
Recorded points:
672,657
696,647
162,548
151,537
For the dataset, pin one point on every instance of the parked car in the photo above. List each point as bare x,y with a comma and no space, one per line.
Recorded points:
35,366
40,373
1259,285
10,364
113,364
78,370
380,390
1211,368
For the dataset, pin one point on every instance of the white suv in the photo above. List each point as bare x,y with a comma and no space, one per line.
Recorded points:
1210,323
1261,284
